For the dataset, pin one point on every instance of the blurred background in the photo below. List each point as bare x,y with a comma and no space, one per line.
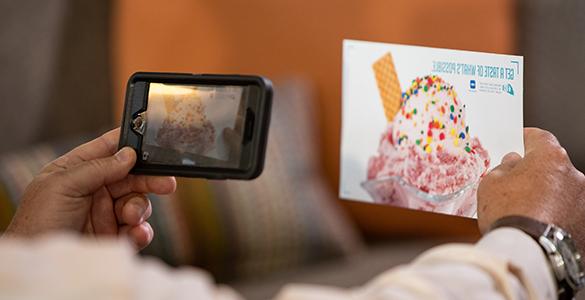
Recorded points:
65,64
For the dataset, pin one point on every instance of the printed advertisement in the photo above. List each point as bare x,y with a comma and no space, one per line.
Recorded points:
421,126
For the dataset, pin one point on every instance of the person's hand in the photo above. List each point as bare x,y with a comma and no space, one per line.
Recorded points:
544,185
89,190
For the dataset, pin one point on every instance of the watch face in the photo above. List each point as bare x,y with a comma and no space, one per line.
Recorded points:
572,261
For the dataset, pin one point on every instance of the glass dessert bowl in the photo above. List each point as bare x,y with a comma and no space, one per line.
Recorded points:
397,192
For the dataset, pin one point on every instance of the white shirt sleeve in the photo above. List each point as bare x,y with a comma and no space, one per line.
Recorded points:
505,264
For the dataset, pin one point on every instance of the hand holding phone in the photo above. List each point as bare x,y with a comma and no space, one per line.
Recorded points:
209,126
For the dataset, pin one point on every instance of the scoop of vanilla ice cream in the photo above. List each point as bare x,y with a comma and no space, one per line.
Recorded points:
428,144
185,127
432,118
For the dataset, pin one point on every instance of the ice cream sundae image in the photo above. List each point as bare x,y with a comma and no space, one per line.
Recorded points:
427,157
185,127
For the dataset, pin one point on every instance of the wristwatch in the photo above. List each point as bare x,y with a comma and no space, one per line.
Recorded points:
565,260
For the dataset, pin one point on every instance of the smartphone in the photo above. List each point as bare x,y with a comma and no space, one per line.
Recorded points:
197,125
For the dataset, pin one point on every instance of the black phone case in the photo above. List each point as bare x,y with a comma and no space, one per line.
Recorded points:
132,107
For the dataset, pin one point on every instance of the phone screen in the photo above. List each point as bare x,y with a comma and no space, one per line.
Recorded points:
194,125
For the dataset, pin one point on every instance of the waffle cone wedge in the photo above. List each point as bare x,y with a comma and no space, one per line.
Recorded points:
388,85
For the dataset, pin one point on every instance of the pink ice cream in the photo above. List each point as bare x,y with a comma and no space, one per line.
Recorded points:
428,143
186,127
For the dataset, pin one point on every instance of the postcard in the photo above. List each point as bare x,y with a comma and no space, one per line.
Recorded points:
421,126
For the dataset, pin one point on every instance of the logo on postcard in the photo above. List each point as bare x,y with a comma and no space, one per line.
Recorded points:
508,89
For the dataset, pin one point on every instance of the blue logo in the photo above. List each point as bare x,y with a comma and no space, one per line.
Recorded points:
472,84
508,89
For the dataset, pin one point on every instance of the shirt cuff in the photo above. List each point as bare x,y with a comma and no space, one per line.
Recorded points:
525,253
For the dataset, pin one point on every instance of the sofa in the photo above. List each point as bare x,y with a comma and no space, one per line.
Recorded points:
254,235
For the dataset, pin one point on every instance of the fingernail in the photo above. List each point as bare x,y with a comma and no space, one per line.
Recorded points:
141,210
124,155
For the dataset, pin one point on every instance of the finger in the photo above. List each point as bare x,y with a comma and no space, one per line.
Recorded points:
100,147
161,185
89,176
102,213
536,138
511,159
140,236
133,209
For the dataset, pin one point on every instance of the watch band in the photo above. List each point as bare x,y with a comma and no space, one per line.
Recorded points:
533,228
536,230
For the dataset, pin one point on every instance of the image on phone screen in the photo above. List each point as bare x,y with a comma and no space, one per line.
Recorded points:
194,125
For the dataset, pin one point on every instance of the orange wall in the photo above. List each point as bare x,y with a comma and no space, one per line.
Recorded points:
295,37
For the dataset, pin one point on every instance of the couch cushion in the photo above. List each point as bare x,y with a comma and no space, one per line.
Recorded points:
16,172
285,218
6,208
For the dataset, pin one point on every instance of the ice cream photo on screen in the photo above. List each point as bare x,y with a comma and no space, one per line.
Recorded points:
193,123
422,126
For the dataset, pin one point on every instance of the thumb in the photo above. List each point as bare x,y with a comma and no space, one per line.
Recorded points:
87,177
509,161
